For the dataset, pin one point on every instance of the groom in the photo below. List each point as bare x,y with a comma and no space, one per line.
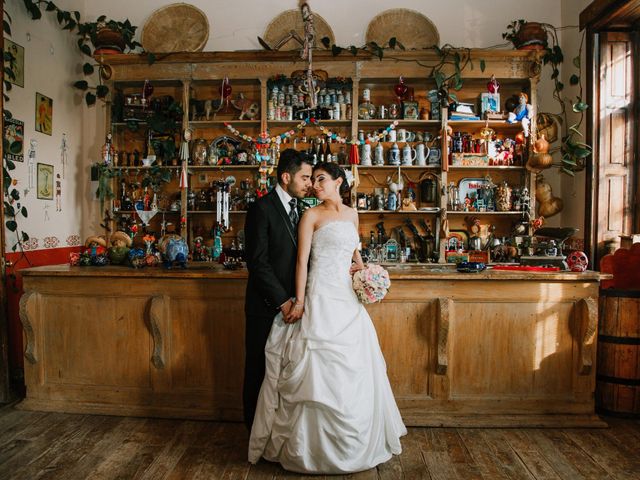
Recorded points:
270,248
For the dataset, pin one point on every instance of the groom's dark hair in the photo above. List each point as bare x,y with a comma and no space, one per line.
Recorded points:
290,162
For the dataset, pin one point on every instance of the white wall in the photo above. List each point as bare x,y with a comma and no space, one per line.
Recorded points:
235,26
51,65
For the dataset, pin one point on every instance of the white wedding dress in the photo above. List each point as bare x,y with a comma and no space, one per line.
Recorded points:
326,405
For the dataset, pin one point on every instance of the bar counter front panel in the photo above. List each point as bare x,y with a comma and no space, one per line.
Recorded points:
485,349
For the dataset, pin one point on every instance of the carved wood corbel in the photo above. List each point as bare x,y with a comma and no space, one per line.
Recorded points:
590,306
445,308
27,317
157,314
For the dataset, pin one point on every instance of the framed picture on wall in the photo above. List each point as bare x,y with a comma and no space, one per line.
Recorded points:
44,114
14,140
45,181
16,64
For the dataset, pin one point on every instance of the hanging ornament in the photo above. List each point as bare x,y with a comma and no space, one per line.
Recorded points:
32,163
63,153
225,96
58,193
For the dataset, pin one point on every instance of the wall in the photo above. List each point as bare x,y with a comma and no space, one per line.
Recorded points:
51,65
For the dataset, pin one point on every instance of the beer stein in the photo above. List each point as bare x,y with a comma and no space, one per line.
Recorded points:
402,135
392,135
366,154
378,157
394,154
408,155
422,153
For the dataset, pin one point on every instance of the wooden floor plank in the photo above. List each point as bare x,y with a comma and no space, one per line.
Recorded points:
263,470
481,454
611,460
391,470
29,443
43,446
58,447
412,461
529,455
167,458
104,446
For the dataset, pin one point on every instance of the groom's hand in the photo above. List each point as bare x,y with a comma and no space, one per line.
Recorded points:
285,308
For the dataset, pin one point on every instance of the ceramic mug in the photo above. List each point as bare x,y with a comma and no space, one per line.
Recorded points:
408,155
402,135
378,156
366,154
422,153
392,135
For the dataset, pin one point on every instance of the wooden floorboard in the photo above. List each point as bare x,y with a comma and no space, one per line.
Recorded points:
48,446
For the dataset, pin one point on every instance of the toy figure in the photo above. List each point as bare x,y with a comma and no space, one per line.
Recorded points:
523,113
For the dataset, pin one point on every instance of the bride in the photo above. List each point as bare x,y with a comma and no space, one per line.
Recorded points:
326,405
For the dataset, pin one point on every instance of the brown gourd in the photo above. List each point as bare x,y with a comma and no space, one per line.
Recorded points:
548,205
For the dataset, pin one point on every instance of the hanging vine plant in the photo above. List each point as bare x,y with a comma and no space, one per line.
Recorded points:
14,211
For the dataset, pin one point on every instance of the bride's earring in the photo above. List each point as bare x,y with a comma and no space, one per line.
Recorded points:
337,188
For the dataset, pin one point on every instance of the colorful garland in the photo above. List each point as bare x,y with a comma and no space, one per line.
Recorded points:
264,139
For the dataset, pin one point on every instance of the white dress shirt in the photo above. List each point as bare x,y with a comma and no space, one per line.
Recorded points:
284,197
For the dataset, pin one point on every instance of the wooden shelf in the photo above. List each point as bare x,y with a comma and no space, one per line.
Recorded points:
460,212
487,167
310,124
218,123
395,167
403,212
201,168
476,124
401,123
210,212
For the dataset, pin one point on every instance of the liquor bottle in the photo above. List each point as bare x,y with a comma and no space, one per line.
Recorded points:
366,110
327,152
107,151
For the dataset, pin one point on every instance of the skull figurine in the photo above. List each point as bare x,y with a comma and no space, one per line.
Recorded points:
577,261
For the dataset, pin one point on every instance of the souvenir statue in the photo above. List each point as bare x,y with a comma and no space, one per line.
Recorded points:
119,250
523,113
174,251
577,261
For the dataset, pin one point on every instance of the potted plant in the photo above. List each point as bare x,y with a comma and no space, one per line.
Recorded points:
528,35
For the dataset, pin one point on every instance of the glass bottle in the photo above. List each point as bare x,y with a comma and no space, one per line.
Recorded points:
366,110
107,151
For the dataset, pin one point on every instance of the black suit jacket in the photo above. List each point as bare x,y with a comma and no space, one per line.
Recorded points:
270,249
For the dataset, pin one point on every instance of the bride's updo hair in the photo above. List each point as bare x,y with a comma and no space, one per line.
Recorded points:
335,171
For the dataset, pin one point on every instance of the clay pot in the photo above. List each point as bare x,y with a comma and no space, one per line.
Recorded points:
531,36
108,41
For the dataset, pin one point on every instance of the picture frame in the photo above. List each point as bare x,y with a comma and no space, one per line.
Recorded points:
14,140
44,114
16,64
410,110
392,250
44,181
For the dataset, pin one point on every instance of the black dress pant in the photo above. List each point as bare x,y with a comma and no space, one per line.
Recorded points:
257,330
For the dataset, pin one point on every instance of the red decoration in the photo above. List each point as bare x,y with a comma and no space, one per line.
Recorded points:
400,89
354,155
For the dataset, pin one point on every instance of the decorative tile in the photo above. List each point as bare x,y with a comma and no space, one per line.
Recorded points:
73,240
51,242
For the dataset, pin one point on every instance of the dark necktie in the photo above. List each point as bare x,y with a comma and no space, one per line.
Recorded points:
293,212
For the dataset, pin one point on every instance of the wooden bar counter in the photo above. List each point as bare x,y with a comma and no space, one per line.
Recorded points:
488,349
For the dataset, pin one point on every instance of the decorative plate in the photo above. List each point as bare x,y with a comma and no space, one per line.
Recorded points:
178,27
280,28
410,28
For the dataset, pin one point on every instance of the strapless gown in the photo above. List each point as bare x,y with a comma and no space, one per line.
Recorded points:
326,405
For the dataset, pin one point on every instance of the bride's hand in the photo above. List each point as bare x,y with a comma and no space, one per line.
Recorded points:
355,267
295,313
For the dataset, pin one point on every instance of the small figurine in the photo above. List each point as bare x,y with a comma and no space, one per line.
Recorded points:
493,85
523,113
174,251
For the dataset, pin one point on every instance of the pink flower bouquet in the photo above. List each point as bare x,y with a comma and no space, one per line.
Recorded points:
371,284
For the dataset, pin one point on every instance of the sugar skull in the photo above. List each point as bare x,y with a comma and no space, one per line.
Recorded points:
577,261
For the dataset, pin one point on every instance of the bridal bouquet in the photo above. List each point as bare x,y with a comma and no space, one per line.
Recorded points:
371,284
